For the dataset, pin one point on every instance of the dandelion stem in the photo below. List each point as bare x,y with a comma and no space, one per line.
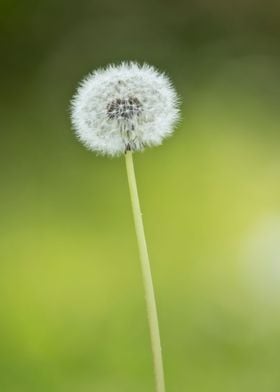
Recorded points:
147,275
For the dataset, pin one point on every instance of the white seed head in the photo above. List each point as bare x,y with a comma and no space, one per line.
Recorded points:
124,107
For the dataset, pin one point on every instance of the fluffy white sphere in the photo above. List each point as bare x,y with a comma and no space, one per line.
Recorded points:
124,107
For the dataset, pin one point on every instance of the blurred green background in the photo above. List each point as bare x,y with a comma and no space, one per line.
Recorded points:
72,313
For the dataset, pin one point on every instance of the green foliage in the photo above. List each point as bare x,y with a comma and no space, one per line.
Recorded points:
71,299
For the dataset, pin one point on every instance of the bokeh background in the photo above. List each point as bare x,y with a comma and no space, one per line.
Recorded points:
72,313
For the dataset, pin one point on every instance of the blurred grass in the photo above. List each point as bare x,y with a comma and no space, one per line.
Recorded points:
71,299
72,313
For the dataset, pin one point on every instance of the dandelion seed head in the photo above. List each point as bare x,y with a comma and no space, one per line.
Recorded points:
124,107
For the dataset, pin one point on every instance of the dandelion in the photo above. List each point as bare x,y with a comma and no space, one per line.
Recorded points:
122,108
117,111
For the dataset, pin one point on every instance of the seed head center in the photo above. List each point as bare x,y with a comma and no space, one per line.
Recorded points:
124,108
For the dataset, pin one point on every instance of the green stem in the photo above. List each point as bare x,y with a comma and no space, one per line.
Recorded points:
147,275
